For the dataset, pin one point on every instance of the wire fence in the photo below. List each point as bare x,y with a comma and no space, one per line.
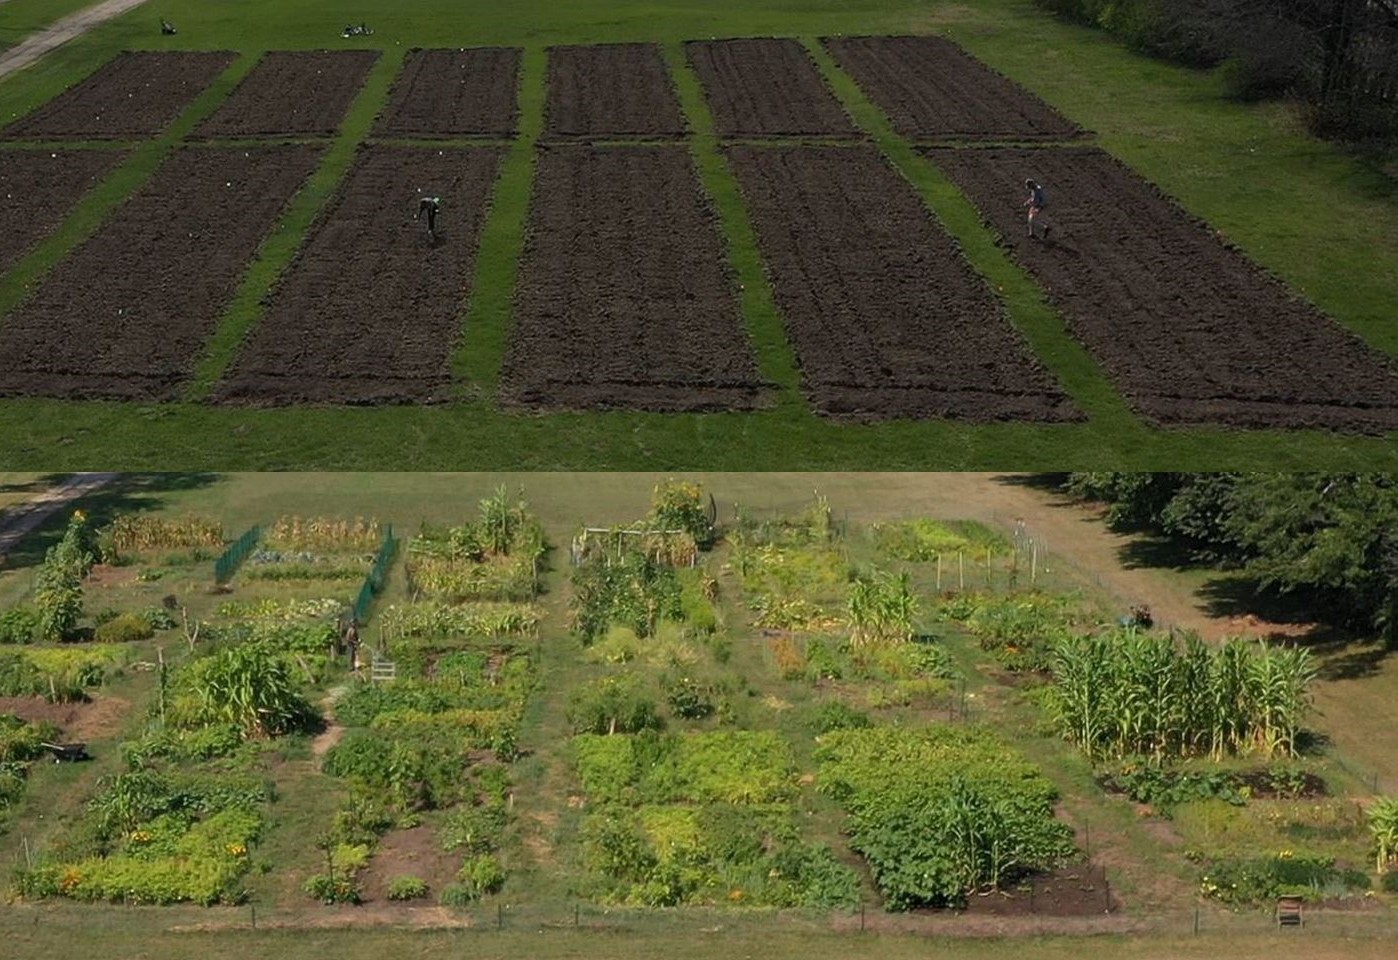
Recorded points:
378,574
231,559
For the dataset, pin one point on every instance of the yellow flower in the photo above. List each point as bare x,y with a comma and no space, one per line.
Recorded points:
237,849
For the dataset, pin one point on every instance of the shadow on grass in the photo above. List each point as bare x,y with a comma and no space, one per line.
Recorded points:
128,493
1159,552
37,485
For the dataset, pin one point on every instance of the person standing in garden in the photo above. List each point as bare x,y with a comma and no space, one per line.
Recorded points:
1036,202
429,206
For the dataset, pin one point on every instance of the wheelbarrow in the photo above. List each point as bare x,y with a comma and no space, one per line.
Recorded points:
70,752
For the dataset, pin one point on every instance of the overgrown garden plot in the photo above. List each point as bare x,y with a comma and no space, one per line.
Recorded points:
1190,329
127,313
454,93
932,89
137,94
610,90
369,311
39,188
767,87
887,317
292,93
623,297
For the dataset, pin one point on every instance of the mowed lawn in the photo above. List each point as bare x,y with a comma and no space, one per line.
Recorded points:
1316,216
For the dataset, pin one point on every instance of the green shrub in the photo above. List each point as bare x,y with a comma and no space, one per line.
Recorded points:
481,875
614,704
19,625
124,628
1263,879
474,830
837,715
328,889
406,888
744,767
1389,883
689,699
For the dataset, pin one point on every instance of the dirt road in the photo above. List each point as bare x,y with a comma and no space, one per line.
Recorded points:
35,45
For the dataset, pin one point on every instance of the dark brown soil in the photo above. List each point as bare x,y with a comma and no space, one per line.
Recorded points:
303,93
1188,328
127,312
134,95
886,315
932,89
623,299
610,90
766,87
95,719
1077,890
454,93
411,853
370,310
39,188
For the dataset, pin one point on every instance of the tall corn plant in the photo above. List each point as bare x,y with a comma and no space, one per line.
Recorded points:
1383,827
1130,693
881,609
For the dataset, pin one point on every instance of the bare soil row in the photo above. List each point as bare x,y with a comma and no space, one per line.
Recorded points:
623,297
133,95
370,310
887,316
292,93
40,188
454,93
768,87
933,90
1188,328
127,313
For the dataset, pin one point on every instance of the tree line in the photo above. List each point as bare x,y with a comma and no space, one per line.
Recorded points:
1337,58
1331,538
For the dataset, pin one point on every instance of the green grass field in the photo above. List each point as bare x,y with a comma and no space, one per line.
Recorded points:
1318,217
535,914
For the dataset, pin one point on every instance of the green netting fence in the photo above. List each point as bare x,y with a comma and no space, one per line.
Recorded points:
378,573
227,564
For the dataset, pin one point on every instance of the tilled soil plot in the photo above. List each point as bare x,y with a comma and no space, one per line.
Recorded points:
126,314
1189,329
39,188
610,90
932,89
370,310
454,93
134,95
767,87
292,93
887,317
623,299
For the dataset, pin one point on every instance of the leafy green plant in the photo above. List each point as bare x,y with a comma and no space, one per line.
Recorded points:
481,875
473,829
124,628
330,889
615,704
677,505
407,888
941,813
19,625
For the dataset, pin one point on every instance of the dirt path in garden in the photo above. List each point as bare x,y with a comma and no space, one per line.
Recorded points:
333,732
74,25
19,520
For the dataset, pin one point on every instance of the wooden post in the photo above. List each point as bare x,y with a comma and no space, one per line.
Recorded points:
939,573
1196,921
1033,563
961,568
